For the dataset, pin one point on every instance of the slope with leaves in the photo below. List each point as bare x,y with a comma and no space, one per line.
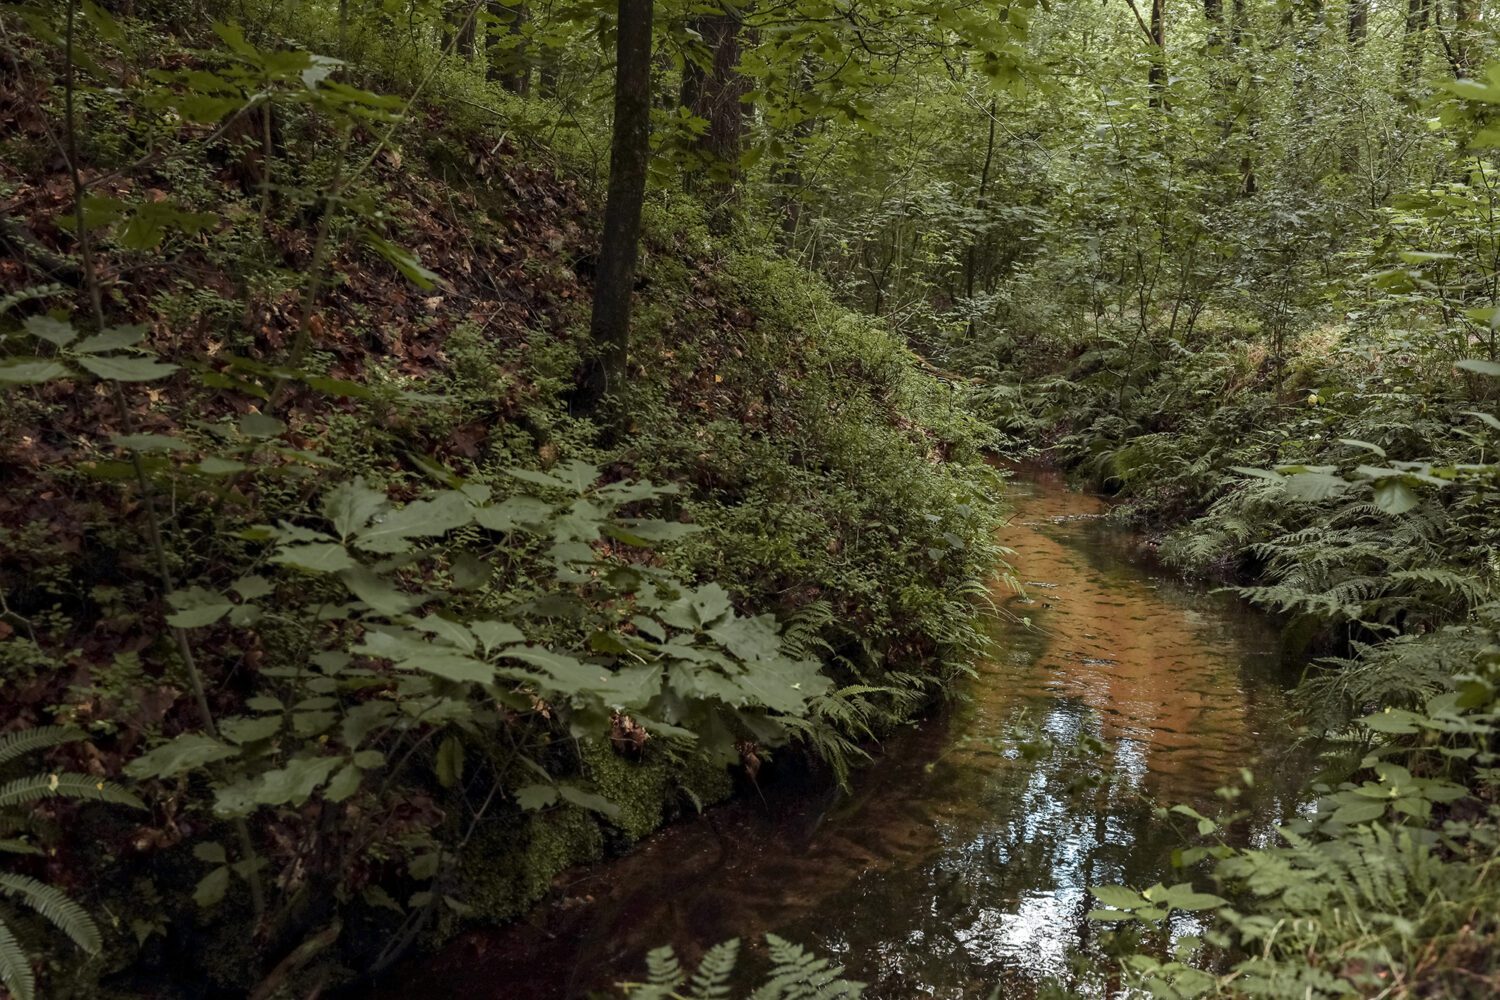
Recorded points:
375,313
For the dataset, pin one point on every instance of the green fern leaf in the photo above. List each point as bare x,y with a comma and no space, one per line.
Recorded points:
54,906
69,785
711,981
800,975
13,745
15,967
663,968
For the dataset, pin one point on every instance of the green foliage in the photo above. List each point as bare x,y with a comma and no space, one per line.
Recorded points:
795,974
46,901
337,574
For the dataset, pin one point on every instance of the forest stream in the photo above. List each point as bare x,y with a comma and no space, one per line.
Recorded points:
963,856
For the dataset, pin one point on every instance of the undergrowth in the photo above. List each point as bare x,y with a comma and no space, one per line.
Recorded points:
302,524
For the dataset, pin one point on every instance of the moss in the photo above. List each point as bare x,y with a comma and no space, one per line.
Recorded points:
510,866
653,789
639,788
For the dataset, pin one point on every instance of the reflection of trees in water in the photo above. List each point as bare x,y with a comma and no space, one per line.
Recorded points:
964,857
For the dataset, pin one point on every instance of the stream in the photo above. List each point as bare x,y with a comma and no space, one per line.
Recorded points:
961,860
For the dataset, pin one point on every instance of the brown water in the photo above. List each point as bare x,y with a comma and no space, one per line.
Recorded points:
962,859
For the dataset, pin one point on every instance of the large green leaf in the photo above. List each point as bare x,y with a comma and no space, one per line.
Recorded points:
185,753
319,557
114,338
51,329
1480,366
1312,486
377,592
1395,497
1359,812
588,800
351,505
419,519
196,607
534,797
122,369
1117,896
748,638
289,785
513,513
784,685
30,371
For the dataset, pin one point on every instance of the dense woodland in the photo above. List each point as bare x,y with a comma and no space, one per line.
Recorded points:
446,440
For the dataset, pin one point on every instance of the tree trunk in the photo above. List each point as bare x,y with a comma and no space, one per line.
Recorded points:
463,26
1157,76
630,151
1467,38
720,100
788,174
457,27
1418,13
505,51
1213,13
1248,183
1359,21
982,205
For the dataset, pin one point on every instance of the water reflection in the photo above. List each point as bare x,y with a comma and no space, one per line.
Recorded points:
962,859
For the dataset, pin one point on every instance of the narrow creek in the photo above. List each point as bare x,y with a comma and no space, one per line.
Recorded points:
962,859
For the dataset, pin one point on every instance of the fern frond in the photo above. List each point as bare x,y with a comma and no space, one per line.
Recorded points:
24,741
711,981
54,906
663,973
801,975
69,785
663,969
15,967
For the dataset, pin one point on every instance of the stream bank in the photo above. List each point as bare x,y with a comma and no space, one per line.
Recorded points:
962,858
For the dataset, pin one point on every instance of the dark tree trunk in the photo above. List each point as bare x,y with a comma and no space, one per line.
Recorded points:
1359,21
715,95
1157,76
789,179
1418,13
971,265
1468,37
458,27
463,25
505,53
1213,12
630,151
1240,20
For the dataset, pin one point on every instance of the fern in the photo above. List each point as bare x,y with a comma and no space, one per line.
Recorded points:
664,969
664,975
801,975
34,788
50,903
796,974
15,967
53,905
711,981
24,741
